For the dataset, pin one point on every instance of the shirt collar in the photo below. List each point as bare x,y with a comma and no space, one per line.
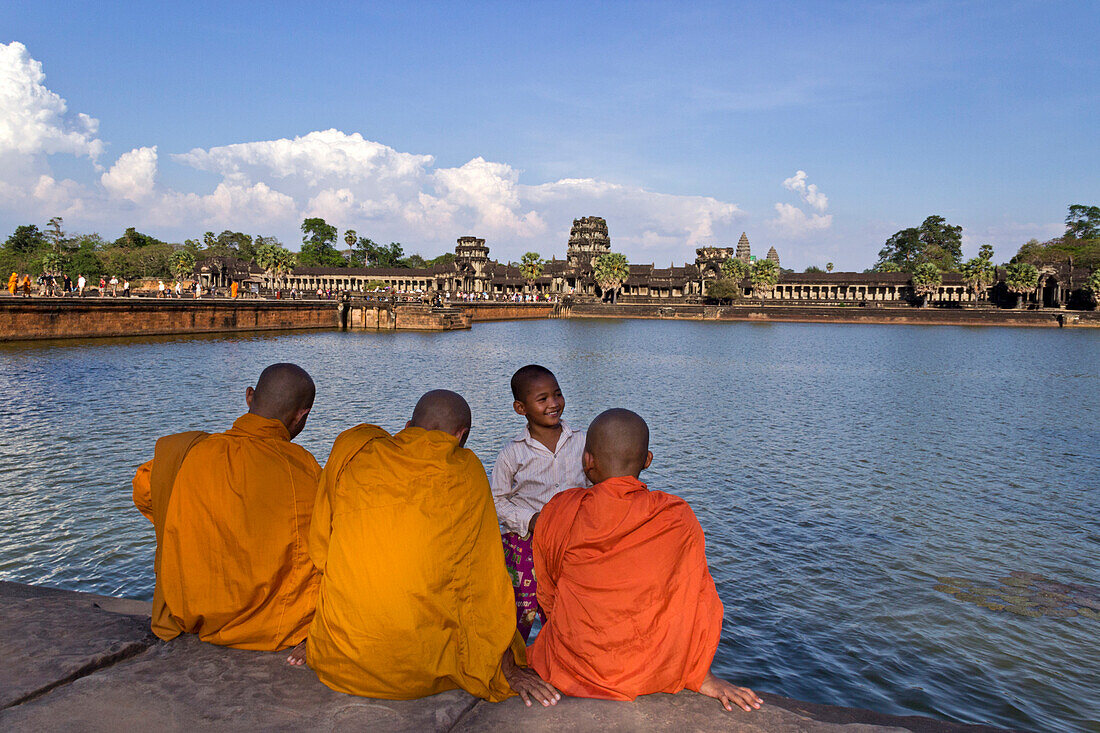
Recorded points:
261,427
525,434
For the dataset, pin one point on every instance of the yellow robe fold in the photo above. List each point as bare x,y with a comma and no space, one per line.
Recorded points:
231,514
415,598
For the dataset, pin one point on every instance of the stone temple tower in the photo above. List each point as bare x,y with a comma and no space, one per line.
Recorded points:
773,255
473,251
588,239
743,251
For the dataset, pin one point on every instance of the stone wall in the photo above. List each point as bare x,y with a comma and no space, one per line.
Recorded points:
490,311
49,318
1051,318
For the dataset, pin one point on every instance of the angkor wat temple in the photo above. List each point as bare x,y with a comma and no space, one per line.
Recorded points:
472,271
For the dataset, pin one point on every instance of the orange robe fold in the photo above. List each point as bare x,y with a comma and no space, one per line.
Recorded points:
631,606
231,513
415,598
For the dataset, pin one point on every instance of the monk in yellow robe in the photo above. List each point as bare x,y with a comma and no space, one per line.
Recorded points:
26,286
13,283
631,606
231,513
415,598
233,289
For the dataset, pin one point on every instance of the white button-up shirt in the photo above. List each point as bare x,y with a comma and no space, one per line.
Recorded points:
526,475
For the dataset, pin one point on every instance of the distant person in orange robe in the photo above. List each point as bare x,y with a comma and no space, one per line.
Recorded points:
26,286
231,513
414,598
13,283
233,289
631,607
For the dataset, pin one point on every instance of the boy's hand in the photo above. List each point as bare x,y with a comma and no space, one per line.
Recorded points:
527,683
730,694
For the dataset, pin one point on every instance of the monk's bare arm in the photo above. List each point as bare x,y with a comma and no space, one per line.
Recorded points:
527,683
729,694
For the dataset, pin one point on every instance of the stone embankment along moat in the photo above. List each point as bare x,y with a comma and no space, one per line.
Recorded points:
77,661
51,318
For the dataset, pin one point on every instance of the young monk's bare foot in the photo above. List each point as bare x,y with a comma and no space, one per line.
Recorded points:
297,655
730,694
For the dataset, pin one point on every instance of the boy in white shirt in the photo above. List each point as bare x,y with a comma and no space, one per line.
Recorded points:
534,466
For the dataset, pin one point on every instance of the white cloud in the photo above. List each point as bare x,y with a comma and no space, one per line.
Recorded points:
34,120
809,193
793,221
268,186
133,175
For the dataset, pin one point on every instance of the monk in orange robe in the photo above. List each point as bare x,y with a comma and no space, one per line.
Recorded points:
622,570
415,598
13,283
231,513
233,289
26,286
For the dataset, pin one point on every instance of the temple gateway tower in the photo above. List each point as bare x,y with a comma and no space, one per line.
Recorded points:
588,239
743,251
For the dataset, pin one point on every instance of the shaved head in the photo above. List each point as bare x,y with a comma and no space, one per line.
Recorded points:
442,409
525,377
283,392
618,442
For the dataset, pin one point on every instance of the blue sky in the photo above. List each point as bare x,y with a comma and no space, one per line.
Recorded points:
679,123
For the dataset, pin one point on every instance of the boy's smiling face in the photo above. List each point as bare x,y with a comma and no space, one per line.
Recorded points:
543,404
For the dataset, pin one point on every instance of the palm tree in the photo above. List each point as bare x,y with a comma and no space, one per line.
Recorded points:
926,281
182,264
978,274
735,269
285,262
530,266
764,275
611,270
828,267
1021,278
52,263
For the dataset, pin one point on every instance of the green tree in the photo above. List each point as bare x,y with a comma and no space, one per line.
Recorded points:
25,240
813,269
182,264
230,244
85,259
1083,222
318,245
986,252
377,255
888,266
933,241
53,263
724,289
133,239
55,235
530,266
444,259
828,266
1021,278
764,275
413,262
977,272
926,281
735,269
1092,286
611,269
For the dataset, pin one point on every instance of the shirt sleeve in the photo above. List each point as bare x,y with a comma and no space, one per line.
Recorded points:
512,515
143,489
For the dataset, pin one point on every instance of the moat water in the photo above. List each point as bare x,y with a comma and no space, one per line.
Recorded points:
864,489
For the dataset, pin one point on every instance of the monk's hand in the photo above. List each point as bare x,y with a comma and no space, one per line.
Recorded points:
730,694
527,683
297,655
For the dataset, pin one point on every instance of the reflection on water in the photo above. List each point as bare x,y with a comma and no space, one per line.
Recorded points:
839,471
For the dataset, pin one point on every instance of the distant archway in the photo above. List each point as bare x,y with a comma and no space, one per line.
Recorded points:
1052,292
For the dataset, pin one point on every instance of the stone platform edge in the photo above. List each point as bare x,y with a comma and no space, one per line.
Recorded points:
81,661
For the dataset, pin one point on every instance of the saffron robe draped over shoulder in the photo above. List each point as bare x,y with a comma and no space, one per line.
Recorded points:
414,598
631,605
231,513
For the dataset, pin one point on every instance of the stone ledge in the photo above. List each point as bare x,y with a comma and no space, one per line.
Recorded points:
78,661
